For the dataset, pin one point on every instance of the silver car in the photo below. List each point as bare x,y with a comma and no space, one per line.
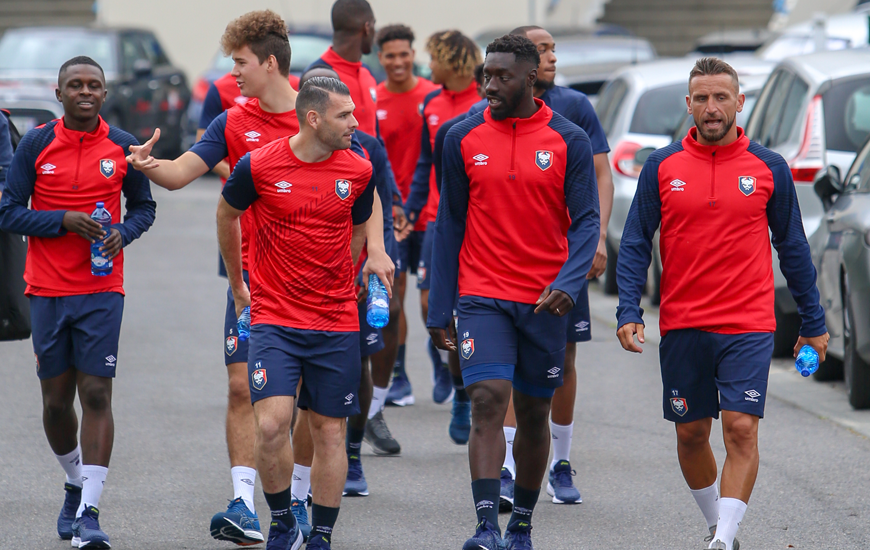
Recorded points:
841,254
814,110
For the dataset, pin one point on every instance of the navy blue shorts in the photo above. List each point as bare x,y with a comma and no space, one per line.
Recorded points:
705,372
235,351
76,331
409,252
502,340
424,266
328,363
371,340
579,320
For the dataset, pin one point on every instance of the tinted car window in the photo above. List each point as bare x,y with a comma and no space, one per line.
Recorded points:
153,51
131,50
847,114
770,107
608,104
41,51
659,110
585,53
791,111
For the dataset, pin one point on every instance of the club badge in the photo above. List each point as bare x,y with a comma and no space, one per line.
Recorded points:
342,189
543,159
746,184
107,168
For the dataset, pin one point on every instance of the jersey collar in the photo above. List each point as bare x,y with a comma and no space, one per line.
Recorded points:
72,137
723,152
471,90
523,125
339,63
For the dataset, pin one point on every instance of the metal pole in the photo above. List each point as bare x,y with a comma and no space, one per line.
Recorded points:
533,12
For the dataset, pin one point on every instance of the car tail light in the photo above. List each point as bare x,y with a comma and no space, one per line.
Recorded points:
811,155
200,90
623,159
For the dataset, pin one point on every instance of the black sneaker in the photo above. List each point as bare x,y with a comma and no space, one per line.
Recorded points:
378,435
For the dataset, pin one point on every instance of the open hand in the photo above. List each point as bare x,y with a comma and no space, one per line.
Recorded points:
626,336
140,155
556,302
82,225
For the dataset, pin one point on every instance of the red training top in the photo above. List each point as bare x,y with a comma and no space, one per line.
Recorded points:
362,85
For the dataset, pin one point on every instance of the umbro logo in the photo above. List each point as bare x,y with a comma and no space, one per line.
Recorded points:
677,185
433,120
554,372
48,168
372,339
252,136
480,159
247,481
752,396
284,187
382,114
582,326
110,361
348,399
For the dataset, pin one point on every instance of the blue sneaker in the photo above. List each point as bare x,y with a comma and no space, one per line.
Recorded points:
238,524
282,537
460,423
443,389
561,485
355,485
318,542
67,515
300,511
486,538
400,393
506,498
520,538
86,532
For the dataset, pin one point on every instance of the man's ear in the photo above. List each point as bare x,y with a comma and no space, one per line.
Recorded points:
533,76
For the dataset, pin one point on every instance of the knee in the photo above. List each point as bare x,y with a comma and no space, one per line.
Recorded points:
270,430
96,396
741,433
56,406
239,391
692,435
328,432
487,405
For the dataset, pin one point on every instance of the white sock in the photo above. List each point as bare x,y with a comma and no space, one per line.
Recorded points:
731,512
72,465
93,479
243,484
561,442
444,354
379,399
301,483
708,502
509,463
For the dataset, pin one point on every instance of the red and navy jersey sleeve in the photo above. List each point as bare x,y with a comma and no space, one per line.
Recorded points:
212,148
790,241
212,106
15,216
240,191
362,206
418,195
140,206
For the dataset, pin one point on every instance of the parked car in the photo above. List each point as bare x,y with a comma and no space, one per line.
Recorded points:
841,254
640,108
30,106
145,90
837,32
733,41
814,110
586,62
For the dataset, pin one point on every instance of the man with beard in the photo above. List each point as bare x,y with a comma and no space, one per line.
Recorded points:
519,270
715,194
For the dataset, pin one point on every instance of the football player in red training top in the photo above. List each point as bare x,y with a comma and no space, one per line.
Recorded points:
519,270
311,198
716,317
63,169
258,44
400,114
353,32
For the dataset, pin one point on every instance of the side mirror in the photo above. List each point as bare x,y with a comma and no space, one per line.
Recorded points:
827,184
142,68
643,154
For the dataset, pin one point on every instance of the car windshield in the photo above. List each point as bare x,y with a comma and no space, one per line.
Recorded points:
660,110
304,50
797,44
44,51
588,53
847,114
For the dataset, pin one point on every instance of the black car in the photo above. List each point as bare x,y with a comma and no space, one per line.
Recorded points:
145,90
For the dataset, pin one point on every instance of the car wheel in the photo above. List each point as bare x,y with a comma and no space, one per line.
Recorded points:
857,372
610,287
787,330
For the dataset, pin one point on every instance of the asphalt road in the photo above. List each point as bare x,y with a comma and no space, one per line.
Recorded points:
170,471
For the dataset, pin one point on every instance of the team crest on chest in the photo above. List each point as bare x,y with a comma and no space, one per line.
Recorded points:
107,168
543,159
342,189
746,184
467,348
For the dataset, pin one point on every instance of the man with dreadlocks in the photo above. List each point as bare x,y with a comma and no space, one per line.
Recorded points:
454,57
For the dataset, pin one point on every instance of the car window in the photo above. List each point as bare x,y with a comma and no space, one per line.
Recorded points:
589,52
748,105
770,108
791,110
788,45
860,170
47,51
152,50
131,50
660,110
847,114
609,101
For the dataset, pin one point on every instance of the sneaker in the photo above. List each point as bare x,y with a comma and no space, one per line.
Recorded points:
355,485
399,394
460,423
283,538
718,545
318,542
485,538
561,485
709,538
519,539
67,516
378,435
86,532
238,524
443,389
506,499
300,511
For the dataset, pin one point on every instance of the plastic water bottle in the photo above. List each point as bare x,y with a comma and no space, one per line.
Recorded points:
244,324
100,265
377,303
807,361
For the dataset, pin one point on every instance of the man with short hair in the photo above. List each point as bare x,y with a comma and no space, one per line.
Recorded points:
519,270
717,196
62,169
400,114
